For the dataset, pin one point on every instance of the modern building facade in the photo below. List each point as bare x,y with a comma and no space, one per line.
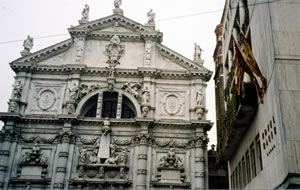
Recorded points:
109,108
258,132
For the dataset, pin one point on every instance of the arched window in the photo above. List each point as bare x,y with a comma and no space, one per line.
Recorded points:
128,109
111,103
90,107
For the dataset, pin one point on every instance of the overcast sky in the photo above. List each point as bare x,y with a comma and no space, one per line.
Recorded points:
183,23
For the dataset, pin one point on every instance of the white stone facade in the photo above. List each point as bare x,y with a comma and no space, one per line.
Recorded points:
273,134
111,107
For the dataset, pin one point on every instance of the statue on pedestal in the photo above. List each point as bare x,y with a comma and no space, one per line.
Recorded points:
18,90
85,13
27,44
197,52
117,3
151,17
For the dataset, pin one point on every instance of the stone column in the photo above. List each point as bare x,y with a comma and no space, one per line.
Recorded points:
65,138
142,140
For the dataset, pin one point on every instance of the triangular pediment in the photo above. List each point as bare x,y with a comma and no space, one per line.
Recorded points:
134,37
113,20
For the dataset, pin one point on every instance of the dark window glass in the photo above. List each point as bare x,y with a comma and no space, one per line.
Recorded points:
110,102
90,107
128,109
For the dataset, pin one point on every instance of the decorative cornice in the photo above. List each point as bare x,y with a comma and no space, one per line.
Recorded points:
83,69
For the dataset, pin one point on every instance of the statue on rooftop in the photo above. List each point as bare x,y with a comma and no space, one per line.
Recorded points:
151,17
117,3
197,52
28,44
85,13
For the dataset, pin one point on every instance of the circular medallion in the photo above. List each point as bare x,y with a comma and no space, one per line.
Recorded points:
172,104
46,99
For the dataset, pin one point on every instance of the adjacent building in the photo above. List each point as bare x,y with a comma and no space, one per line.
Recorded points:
109,108
257,93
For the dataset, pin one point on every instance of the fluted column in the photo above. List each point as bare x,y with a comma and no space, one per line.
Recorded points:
65,138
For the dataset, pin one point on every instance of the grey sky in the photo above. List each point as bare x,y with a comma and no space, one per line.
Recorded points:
19,18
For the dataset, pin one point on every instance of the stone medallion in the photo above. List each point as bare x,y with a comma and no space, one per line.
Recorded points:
172,104
46,99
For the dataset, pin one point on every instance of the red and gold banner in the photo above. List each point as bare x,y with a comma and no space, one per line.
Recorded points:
246,63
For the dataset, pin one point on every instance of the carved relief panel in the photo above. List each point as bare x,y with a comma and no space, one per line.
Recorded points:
46,98
172,103
33,162
170,166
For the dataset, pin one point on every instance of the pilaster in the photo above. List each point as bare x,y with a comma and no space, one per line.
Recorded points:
200,159
8,137
142,141
66,138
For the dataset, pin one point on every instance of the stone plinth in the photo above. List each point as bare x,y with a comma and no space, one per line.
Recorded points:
118,11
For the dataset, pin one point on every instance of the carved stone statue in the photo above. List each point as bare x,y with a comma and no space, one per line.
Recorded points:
82,156
199,97
123,157
106,129
151,17
28,44
133,88
112,160
117,3
17,92
145,95
93,159
73,92
85,13
197,52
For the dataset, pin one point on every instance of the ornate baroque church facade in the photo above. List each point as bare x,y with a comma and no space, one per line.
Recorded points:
109,108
